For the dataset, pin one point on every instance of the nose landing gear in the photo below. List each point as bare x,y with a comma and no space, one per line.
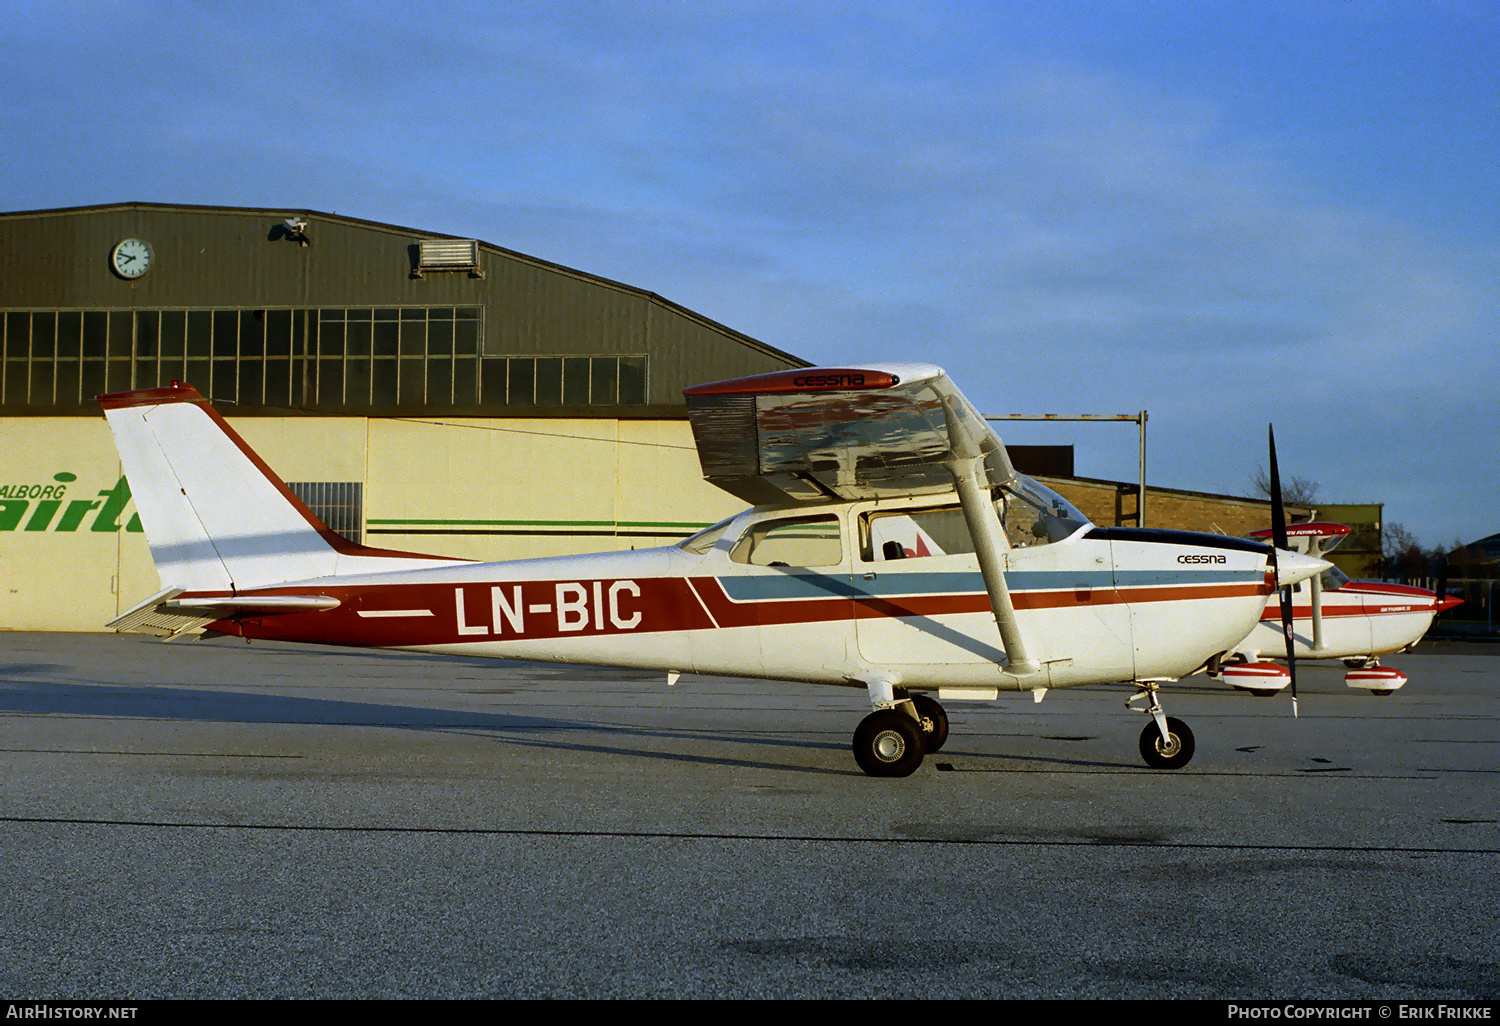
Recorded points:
1166,743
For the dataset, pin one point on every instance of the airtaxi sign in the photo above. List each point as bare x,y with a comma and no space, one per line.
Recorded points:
60,506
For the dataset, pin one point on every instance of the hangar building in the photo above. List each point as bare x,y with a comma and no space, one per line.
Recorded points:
418,391
421,392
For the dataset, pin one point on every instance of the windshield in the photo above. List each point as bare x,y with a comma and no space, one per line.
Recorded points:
1035,515
1333,579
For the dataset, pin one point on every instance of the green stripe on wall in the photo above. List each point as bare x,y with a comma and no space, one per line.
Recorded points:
561,528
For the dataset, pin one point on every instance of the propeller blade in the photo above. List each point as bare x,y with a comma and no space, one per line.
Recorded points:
1278,510
1278,539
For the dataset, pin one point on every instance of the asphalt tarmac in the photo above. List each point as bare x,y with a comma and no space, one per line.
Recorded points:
210,819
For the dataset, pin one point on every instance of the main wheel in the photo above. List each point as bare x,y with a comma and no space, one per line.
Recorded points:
933,719
1174,753
888,743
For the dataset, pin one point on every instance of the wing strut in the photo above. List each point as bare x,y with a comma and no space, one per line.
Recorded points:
967,466
1317,610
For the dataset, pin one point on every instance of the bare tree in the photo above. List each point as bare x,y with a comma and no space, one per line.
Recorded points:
1396,541
1402,556
1299,491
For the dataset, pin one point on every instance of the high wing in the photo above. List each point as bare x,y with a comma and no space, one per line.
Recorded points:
845,434
817,435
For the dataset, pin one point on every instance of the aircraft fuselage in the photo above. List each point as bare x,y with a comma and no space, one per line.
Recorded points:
1360,619
1102,605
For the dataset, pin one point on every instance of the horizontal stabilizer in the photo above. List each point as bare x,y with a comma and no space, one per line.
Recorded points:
166,616
151,617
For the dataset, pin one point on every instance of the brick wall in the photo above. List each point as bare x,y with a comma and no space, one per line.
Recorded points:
1113,503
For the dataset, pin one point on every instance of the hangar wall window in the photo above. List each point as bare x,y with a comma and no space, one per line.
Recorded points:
564,380
398,356
357,358
339,504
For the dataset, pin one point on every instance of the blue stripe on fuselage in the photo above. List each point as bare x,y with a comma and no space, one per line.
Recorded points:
804,584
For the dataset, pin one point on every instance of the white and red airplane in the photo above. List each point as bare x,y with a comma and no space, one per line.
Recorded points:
1336,618
1004,587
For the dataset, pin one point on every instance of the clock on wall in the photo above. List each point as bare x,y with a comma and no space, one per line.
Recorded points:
131,258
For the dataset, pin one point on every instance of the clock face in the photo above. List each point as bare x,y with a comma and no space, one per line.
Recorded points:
131,258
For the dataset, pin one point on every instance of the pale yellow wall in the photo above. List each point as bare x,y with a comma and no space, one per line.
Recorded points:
534,487
626,475
56,578
307,449
661,481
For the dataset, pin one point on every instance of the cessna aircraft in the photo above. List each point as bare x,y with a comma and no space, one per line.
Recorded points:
1004,587
1336,618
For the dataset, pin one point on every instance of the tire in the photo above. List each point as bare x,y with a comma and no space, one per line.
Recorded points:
933,719
1161,756
888,743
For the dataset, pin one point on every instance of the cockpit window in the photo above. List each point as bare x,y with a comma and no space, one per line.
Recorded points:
798,541
704,540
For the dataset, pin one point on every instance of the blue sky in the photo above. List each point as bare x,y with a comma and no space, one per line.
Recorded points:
1225,214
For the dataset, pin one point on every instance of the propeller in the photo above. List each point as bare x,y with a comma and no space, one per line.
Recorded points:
1279,542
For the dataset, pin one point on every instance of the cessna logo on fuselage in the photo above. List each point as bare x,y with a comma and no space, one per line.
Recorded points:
830,381
593,606
1201,559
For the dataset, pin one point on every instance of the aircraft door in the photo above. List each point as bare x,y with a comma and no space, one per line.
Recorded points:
919,596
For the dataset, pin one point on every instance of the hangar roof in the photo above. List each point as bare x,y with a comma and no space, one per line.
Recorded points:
341,285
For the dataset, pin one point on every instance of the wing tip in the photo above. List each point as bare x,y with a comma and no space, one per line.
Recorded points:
818,379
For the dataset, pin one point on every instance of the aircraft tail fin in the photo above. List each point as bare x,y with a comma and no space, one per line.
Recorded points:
216,516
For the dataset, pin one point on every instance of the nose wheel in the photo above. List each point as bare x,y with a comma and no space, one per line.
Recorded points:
1166,743
1172,752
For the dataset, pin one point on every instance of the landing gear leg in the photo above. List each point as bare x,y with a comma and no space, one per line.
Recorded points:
934,722
1166,743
